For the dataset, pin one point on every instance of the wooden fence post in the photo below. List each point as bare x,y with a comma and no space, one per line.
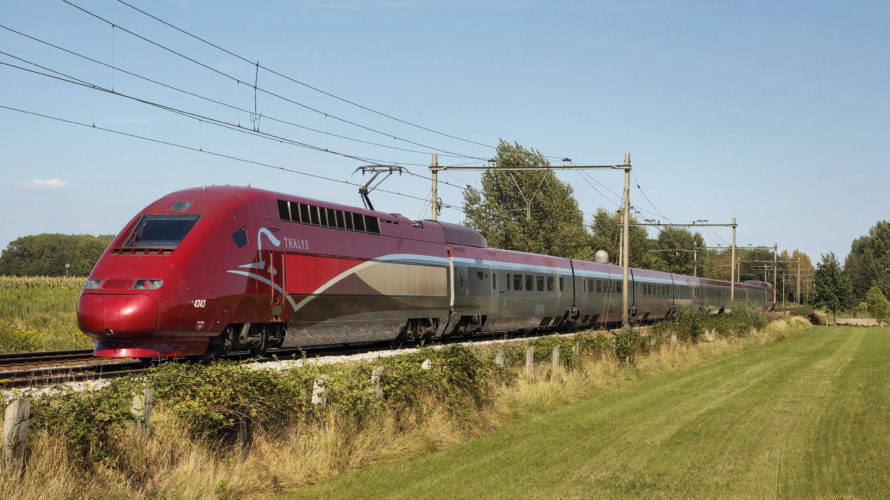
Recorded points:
375,381
319,390
15,429
530,361
499,358
554,358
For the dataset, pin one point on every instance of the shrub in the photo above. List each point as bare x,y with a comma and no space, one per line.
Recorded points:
627,343
878,307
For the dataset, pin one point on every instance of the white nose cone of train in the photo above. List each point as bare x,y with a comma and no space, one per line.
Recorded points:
601,257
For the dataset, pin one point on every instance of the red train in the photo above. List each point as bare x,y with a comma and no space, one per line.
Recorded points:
215,269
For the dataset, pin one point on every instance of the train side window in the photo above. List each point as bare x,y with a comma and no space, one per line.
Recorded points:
618,288
562,284
347,224
508,281
480,275
540,281
551,284
494,281
529,283
240,237
372,224
313,215
517,282
332,217
283,210
341,220
304,214
358,222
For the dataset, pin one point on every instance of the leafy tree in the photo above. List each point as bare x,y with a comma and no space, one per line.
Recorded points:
869,260
527,211
607,229
833,288
877,303
46,254
675,252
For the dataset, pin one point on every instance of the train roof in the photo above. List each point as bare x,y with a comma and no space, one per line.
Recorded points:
427,230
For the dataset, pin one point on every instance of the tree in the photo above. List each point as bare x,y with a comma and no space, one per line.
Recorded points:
607,229
46,254
833,288
527,211
877,303
869,260
675,252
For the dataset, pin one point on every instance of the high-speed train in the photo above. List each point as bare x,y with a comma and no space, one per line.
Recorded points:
208,270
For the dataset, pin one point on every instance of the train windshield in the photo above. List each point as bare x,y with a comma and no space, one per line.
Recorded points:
160,231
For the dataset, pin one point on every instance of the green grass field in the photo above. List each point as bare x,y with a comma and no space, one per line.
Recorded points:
40,314
804,417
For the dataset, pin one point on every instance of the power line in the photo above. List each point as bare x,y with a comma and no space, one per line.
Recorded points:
201,150
200,118
260,89
208,99
298,82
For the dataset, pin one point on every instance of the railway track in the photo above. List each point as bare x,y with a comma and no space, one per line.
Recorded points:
36,369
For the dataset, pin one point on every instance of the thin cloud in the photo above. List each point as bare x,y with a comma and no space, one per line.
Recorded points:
45,184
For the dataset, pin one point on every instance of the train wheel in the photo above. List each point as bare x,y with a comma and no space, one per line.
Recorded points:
260,349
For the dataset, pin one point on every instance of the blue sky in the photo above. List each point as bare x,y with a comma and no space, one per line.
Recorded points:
775,113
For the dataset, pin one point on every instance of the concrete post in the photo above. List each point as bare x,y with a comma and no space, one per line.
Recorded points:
141,409
15,430
375,382
499,358
530,361
554,359
733,271
625,245
319,390
435,190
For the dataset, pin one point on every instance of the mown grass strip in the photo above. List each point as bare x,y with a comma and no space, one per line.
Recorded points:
800,418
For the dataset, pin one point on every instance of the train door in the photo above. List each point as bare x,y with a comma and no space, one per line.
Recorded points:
275,265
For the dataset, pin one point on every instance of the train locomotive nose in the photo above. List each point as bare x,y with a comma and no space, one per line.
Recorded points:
117,315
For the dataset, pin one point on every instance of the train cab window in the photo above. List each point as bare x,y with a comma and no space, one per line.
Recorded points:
240,237
540,281
551,284
160,231
517,282
529,283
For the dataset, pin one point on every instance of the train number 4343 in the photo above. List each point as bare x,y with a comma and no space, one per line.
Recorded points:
200,303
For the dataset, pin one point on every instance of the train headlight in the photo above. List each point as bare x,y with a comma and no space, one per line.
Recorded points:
93,283
147,284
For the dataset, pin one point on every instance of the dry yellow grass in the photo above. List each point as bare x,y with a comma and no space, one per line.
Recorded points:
170,464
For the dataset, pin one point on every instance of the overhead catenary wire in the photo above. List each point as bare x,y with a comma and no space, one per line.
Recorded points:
211,100
304,84
261,89
204,151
